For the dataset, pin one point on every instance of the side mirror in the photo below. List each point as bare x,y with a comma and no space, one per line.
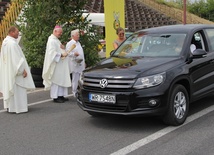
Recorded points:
198,53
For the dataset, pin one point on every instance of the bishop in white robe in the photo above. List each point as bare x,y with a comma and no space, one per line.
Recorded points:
56,75
15,77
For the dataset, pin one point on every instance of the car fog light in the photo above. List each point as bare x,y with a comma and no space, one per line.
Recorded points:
152,102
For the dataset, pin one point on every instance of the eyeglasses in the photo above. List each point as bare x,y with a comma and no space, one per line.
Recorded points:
121,33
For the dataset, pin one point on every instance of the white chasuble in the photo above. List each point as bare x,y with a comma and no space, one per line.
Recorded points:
55,72
73,65
12,65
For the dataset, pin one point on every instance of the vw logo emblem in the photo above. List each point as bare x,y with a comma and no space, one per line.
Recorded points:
103,83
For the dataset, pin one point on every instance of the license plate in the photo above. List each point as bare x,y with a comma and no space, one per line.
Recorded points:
102,98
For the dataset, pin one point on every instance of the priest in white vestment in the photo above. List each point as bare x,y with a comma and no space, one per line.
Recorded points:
15,77
76,59
56,75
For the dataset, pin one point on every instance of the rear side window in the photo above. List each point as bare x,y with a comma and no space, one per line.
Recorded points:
197,40
210,34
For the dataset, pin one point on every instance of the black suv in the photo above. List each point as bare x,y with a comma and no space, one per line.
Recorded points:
156,71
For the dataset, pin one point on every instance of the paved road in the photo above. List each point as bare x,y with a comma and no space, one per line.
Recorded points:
64,129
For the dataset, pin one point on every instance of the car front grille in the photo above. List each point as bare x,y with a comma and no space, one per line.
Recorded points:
91,84
112,83
105,107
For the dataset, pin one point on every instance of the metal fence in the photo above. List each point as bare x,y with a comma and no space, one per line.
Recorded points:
176,14
10,17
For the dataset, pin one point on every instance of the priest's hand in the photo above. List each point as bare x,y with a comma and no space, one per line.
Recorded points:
62,46
24,74
64,54
76,54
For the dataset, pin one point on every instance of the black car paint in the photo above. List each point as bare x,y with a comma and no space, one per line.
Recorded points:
195,74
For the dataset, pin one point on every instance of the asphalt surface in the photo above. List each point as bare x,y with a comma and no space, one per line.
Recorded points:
64,129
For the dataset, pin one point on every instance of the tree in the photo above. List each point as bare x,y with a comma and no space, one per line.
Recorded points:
38,20
201,8
198,8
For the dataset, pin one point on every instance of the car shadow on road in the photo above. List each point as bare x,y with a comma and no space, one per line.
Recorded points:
139,123
201,104
127,123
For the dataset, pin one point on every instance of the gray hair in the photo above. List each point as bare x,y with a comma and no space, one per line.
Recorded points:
73,32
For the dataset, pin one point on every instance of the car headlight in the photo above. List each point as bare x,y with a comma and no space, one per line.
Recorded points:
150,81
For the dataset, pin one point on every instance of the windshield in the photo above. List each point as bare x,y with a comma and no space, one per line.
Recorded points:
151,45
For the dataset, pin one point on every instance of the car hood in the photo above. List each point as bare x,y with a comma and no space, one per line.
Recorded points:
115,67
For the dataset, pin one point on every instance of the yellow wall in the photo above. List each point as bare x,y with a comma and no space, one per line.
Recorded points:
114,18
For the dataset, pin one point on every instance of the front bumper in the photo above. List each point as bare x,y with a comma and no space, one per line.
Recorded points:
135,102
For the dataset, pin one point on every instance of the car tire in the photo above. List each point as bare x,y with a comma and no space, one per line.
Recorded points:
178,106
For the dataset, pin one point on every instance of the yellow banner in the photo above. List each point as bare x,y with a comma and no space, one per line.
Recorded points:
114,18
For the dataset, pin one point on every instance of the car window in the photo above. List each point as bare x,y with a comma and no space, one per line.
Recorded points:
210,34
127,34
197,40
152,45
